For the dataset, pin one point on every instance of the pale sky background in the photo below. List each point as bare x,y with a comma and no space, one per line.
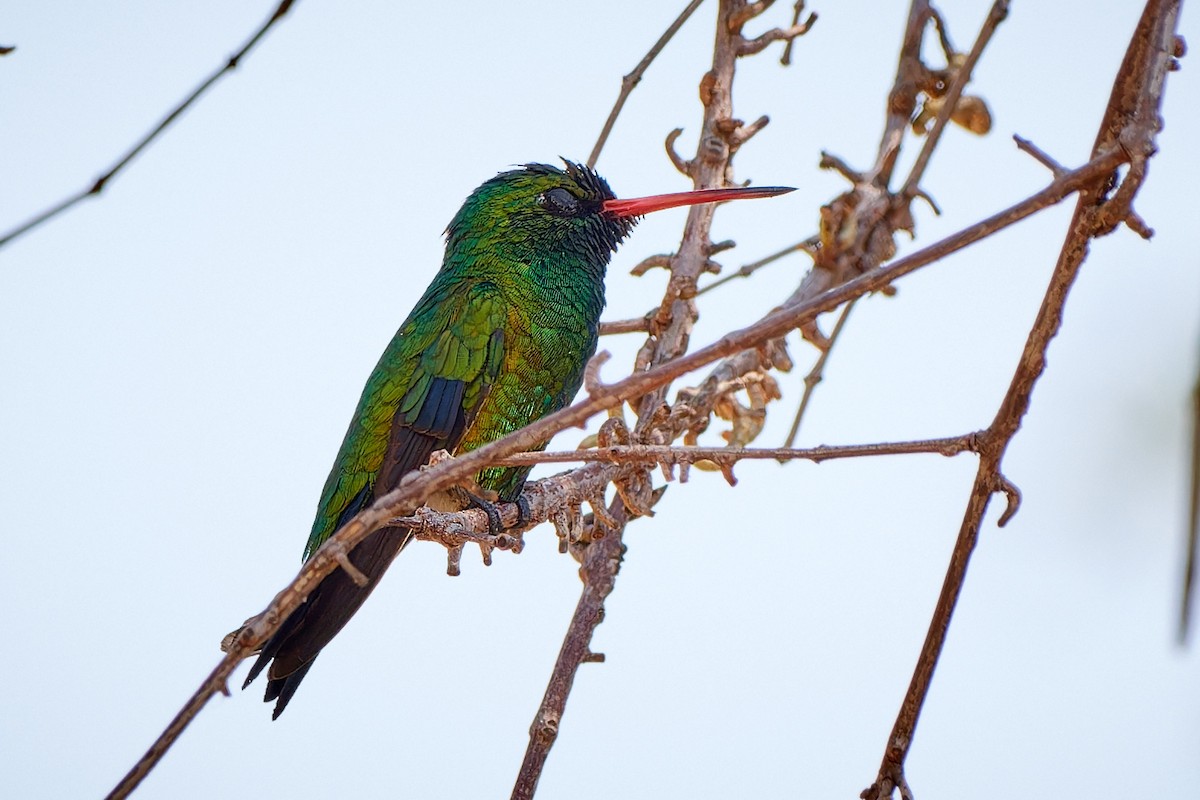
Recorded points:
180,359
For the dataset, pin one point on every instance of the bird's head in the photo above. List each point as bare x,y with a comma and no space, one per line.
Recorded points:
541,211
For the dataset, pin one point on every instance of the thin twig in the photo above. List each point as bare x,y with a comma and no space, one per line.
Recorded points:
643,323
1130,123
817,373
962,75
902,99
797,10
1039,155
636,325
665,454
943,34
746,270
601,561
634,78
98,186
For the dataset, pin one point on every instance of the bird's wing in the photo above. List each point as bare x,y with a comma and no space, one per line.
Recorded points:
423,394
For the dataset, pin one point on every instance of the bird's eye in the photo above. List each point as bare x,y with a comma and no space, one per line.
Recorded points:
559,202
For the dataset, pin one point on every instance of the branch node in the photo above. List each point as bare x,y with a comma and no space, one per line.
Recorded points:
786,58
454,560
743,133
830,161
1135,223
661,260
921,193
1012,494
591,374
613,431
748,47
720,247
602,519
682,164
344,562
1039,155
745,13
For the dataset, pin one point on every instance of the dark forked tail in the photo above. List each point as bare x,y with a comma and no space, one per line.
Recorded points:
295,646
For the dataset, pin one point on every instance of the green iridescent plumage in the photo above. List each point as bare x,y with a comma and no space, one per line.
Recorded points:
499,339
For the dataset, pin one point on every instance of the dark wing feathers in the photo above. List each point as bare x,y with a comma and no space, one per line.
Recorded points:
442,397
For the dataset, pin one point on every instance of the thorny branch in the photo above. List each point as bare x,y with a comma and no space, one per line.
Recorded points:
98,186
1131,123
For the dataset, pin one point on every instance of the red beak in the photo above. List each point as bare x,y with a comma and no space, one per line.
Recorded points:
637,206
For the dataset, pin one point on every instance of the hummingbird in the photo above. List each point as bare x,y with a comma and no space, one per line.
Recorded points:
499,339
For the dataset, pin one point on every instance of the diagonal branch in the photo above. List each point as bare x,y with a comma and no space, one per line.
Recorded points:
630,81
98,186
962,75
1130,122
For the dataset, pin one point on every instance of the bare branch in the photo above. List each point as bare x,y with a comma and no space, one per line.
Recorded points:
638,325
817,373
1039,155
902,99
1131,123
98,186
749,47
746,270
720,137
962,74
630,81
664,454
797,10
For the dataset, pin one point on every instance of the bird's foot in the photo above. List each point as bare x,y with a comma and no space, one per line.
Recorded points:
495,525
524,512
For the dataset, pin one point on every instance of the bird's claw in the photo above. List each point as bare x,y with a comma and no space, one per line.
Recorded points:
495,526
524,512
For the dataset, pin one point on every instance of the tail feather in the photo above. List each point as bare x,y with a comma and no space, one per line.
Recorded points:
292,650
282,690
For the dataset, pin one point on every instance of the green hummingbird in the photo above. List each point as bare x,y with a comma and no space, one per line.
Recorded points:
499,339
